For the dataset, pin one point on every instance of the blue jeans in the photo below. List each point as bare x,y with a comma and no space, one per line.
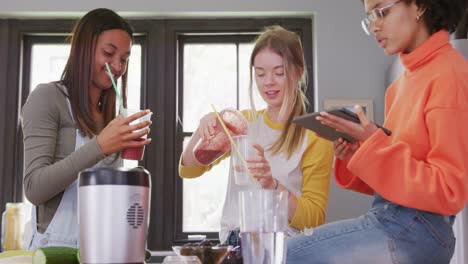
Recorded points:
387,233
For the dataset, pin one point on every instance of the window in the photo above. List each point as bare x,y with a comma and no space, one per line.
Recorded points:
224,83
213,68
48,57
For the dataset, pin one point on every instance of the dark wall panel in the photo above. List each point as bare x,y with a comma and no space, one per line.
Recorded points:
3,85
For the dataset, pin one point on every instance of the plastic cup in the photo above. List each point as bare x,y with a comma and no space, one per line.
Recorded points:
241,173
137,152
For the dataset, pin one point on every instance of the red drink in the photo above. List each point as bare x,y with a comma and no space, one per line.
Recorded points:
134,153
207,156
206,151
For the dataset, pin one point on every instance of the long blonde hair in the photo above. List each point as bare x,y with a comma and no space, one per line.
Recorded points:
288,45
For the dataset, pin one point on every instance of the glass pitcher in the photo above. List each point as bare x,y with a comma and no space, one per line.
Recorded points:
207,151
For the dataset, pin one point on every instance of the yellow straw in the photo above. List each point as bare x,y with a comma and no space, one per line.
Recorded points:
232,140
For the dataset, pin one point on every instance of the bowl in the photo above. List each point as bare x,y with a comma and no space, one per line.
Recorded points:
207,254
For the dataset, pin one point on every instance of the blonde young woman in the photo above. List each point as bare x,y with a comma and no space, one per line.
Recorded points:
288,157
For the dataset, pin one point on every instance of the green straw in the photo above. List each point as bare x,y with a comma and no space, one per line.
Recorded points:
115,87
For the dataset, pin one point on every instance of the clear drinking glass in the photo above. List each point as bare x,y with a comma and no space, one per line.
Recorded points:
263,222
246,150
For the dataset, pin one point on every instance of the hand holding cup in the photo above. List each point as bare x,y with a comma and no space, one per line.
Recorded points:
124,132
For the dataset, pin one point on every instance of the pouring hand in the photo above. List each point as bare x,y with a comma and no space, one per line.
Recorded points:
118,134
207,126
260,169
360,131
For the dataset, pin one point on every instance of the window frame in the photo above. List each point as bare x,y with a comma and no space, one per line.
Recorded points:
182,30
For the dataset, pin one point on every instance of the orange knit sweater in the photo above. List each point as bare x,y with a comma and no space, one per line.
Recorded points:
424,163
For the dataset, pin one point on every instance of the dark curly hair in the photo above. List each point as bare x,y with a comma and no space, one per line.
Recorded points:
441,14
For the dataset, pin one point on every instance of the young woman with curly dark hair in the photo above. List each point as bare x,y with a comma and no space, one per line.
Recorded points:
419,174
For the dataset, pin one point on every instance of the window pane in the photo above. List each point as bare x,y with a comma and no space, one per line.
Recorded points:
133,88
48,62
203,199
210,77
134,78
207,80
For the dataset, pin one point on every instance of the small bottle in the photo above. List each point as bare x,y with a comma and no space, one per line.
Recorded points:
11,227
209,150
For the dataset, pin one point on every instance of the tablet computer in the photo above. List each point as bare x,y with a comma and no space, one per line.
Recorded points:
309,121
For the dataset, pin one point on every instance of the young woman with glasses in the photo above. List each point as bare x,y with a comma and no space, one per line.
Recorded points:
419,174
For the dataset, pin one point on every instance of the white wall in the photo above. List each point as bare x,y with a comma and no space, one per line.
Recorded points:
348,64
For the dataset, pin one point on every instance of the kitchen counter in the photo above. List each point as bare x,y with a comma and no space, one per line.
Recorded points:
156,257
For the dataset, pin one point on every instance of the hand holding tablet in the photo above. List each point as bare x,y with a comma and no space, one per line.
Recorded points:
310,121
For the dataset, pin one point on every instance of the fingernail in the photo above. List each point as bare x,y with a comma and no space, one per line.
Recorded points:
149,139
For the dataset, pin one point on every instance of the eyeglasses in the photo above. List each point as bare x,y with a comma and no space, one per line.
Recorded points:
376,14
